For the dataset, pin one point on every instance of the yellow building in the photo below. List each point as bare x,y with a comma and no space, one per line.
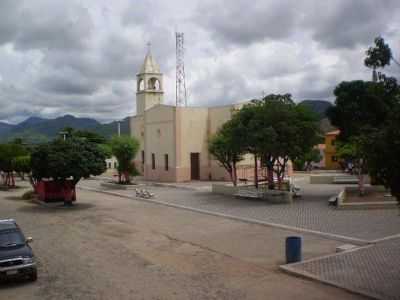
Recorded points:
174,140
331,159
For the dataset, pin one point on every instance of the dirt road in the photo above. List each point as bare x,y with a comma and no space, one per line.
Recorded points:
113,248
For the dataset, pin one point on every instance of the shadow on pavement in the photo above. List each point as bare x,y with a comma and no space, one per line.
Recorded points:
59,207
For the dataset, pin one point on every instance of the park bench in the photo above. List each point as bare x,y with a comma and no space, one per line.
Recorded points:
346,179
144,194
333,201
295,190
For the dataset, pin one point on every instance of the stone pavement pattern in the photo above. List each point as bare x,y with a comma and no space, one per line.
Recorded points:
372,270
311,212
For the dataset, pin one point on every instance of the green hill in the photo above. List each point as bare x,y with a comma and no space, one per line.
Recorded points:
317,106
37,130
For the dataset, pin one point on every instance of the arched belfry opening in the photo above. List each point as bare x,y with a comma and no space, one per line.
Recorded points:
154,84
140,85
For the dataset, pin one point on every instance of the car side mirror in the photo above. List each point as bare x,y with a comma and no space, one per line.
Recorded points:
29,240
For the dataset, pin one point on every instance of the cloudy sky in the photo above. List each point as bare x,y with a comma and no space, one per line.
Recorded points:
81,57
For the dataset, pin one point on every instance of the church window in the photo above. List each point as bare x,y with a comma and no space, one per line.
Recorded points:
153,161
166,162
142,156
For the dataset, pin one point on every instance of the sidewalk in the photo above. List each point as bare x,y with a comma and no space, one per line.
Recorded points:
371,271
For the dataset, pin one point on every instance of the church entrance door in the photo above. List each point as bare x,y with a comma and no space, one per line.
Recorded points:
195,166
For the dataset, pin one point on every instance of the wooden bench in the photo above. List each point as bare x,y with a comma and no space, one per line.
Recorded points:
345,179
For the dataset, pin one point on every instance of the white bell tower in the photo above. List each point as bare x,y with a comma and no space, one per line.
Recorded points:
149,91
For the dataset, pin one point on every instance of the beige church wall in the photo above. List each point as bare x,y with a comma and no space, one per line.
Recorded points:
160,174
160,140
146,100
218,116
192,136
137,131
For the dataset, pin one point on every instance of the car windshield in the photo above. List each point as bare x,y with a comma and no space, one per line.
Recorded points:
11,238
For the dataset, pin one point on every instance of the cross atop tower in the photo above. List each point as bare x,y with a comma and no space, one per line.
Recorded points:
148,47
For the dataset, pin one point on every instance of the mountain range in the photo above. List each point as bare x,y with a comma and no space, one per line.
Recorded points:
36,130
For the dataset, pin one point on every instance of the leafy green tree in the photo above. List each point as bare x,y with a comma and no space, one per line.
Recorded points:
245,122
382,152
63,160
125,148
225,148
279,130
8,153
106,148
360,107
305,161
87,135
22,165
378,56
275,130
360,104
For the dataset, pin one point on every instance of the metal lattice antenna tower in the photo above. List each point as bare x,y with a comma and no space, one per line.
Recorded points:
181,99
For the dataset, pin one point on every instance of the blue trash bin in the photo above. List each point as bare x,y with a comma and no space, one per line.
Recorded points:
293,249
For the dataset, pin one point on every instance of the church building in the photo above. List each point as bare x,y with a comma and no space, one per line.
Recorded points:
174,140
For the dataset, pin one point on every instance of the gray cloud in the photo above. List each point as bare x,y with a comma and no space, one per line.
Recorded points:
8,15
81,58
345,24
246,22
68,85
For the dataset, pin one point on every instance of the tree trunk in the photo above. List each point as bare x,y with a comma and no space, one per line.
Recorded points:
234,173
232,177
127,177
361,188
270,174
255,172
279,175
119,177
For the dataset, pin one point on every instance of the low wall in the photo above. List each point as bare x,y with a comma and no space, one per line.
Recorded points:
114,186
275,196
340,179
224,189
341,204
322,179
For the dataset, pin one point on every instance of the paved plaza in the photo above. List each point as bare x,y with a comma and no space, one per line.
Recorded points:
371,270
311,212
106,247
